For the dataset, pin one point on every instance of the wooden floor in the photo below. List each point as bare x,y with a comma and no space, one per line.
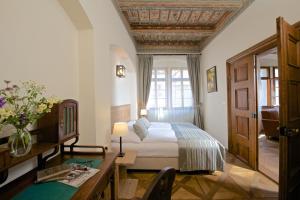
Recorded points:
237,182
268,155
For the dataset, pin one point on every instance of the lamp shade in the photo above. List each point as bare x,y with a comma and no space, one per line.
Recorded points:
143,112
120,129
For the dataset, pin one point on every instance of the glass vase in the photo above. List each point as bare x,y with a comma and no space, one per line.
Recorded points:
20,143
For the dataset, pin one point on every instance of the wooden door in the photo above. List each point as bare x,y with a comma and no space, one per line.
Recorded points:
242,113
289,94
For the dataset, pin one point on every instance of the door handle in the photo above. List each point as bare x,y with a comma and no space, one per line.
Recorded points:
289,131
254,115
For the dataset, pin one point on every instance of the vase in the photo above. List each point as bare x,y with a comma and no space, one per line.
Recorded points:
20,143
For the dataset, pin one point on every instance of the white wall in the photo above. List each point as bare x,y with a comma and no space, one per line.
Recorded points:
255,24
49,42
170,61
38,42
124,90
108,31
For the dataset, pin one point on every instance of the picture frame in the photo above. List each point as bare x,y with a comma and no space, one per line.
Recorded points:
212,79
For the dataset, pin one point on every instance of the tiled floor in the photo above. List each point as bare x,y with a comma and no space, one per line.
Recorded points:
268,155
237,182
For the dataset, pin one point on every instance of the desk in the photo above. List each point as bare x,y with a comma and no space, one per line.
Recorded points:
125,188
91,189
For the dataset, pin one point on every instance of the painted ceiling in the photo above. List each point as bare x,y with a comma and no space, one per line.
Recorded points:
177,25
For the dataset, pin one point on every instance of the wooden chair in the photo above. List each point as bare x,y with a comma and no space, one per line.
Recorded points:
161,187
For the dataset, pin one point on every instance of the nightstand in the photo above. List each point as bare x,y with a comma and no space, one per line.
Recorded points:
125,188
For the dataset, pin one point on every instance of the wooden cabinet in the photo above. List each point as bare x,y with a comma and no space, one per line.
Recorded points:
60,124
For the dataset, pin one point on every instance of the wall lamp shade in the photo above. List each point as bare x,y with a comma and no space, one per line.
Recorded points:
120,129
120,71
143,112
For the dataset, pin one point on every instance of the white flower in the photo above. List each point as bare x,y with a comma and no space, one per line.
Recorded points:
41,108
5,113
53,100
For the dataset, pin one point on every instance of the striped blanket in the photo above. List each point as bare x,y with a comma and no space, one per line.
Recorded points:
197,149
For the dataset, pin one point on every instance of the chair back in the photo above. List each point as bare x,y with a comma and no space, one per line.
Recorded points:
161,187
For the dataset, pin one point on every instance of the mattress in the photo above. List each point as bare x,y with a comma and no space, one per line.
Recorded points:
144,149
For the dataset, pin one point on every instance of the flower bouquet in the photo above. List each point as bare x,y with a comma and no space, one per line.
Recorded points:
19,107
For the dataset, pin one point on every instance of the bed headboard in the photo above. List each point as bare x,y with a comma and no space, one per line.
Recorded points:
120,114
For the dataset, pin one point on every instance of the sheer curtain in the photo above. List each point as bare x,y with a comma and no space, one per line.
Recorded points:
145,65
193,63
170,97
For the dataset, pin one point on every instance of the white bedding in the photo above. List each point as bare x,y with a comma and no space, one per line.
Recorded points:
160,142
149,149
160,125
160,136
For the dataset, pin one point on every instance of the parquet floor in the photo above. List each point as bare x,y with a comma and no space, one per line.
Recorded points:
237,182
268,157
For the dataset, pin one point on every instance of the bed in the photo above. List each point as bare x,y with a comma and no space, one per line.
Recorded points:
180,145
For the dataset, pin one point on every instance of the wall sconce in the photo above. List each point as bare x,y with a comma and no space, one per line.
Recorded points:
120,71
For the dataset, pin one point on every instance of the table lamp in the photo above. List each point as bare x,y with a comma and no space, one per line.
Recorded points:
143,112
120,129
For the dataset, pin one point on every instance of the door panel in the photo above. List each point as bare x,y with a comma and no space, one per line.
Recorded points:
289,93
243,106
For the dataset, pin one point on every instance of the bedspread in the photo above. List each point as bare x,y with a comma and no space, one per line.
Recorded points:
197,149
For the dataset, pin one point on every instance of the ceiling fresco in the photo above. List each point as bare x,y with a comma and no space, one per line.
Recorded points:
177,25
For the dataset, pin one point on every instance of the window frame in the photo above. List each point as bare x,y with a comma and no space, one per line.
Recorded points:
168,85
271,79
181,79
155,80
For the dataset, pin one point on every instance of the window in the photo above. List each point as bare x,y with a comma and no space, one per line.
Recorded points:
269,95
275,86
158,90
181,89
170,88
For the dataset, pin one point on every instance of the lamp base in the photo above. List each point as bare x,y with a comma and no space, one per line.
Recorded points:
121,154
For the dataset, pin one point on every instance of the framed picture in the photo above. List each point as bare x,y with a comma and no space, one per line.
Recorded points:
212,79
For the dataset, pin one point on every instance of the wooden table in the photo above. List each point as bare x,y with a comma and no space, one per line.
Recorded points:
125,188
91,189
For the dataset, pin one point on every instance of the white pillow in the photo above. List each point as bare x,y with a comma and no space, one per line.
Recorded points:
140,129
146,122
131,137
130,125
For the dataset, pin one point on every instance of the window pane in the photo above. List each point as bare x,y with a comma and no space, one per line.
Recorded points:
188,102
185,74
176,94
176,73
153,74
264,72
187,94
276,83
276,101
276,72
161,103
161,74
263,93
151,101
276,92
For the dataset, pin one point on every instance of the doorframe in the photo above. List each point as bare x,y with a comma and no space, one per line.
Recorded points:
265,45
269,43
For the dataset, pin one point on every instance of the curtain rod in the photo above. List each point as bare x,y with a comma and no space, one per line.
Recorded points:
168,54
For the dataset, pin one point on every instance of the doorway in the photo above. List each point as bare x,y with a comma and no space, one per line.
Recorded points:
268,113
241,128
